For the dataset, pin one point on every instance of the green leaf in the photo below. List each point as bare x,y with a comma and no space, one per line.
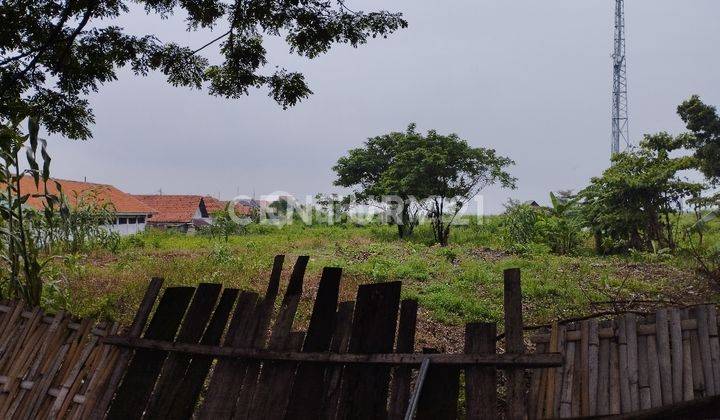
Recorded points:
33,130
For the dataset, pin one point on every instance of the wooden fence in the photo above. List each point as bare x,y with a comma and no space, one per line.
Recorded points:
206,352
628,364
354,361
49,364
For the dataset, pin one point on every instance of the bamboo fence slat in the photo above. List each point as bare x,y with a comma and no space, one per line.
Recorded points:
629,364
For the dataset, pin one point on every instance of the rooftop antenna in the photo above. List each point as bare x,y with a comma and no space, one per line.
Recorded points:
620,134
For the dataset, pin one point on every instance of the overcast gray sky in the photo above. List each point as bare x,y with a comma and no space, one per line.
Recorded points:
531,79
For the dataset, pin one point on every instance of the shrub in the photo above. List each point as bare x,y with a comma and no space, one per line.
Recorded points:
519,228
561,234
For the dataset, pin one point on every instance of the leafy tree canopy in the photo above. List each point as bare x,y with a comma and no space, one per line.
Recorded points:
431,168
704,124
631,204
53,53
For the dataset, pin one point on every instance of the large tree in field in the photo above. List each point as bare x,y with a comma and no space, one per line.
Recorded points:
442,172
53,53
363,169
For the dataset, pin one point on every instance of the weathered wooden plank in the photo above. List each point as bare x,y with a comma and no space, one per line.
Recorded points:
341,337
186,396
688,392
656,399
615,388
481,383
701,313
547,385
226,380
306,397
535,397
176,364
664,358
402,376
384,360
134,391
699,388
576,401
259,335
712,323
584,402
272,390
643,374
603,404
676,352
102,401
592,377
625,394
632,360
439,396
365,389
558,374
514,343
567,381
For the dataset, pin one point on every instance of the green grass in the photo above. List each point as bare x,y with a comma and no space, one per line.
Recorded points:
460,283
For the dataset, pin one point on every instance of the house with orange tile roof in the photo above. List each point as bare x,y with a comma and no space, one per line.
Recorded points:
242,207
185,213
131,214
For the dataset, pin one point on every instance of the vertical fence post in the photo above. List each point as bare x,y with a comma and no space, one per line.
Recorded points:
481,382
402,376
514,344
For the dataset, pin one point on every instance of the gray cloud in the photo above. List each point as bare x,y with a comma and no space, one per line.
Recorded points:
531,79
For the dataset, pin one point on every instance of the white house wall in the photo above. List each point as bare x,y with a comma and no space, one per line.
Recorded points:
126,229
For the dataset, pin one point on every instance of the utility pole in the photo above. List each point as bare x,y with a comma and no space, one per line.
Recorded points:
620,134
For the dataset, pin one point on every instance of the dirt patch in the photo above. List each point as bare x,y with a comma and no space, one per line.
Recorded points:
490,255
170,255
442,337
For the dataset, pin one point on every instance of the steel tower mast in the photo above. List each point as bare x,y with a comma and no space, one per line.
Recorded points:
620,134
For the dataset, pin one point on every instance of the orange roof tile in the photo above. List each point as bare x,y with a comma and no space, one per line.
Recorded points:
174,208
213,205
77,191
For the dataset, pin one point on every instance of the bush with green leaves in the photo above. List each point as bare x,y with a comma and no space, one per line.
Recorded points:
639,198
561,234
223,225
519,226
556,227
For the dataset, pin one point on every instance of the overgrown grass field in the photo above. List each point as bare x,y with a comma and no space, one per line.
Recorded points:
455,284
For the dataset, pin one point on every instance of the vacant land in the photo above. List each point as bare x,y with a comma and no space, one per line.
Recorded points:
455,284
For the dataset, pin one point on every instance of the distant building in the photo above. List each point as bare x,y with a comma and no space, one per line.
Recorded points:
131,214
213,205
185,213
243,207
